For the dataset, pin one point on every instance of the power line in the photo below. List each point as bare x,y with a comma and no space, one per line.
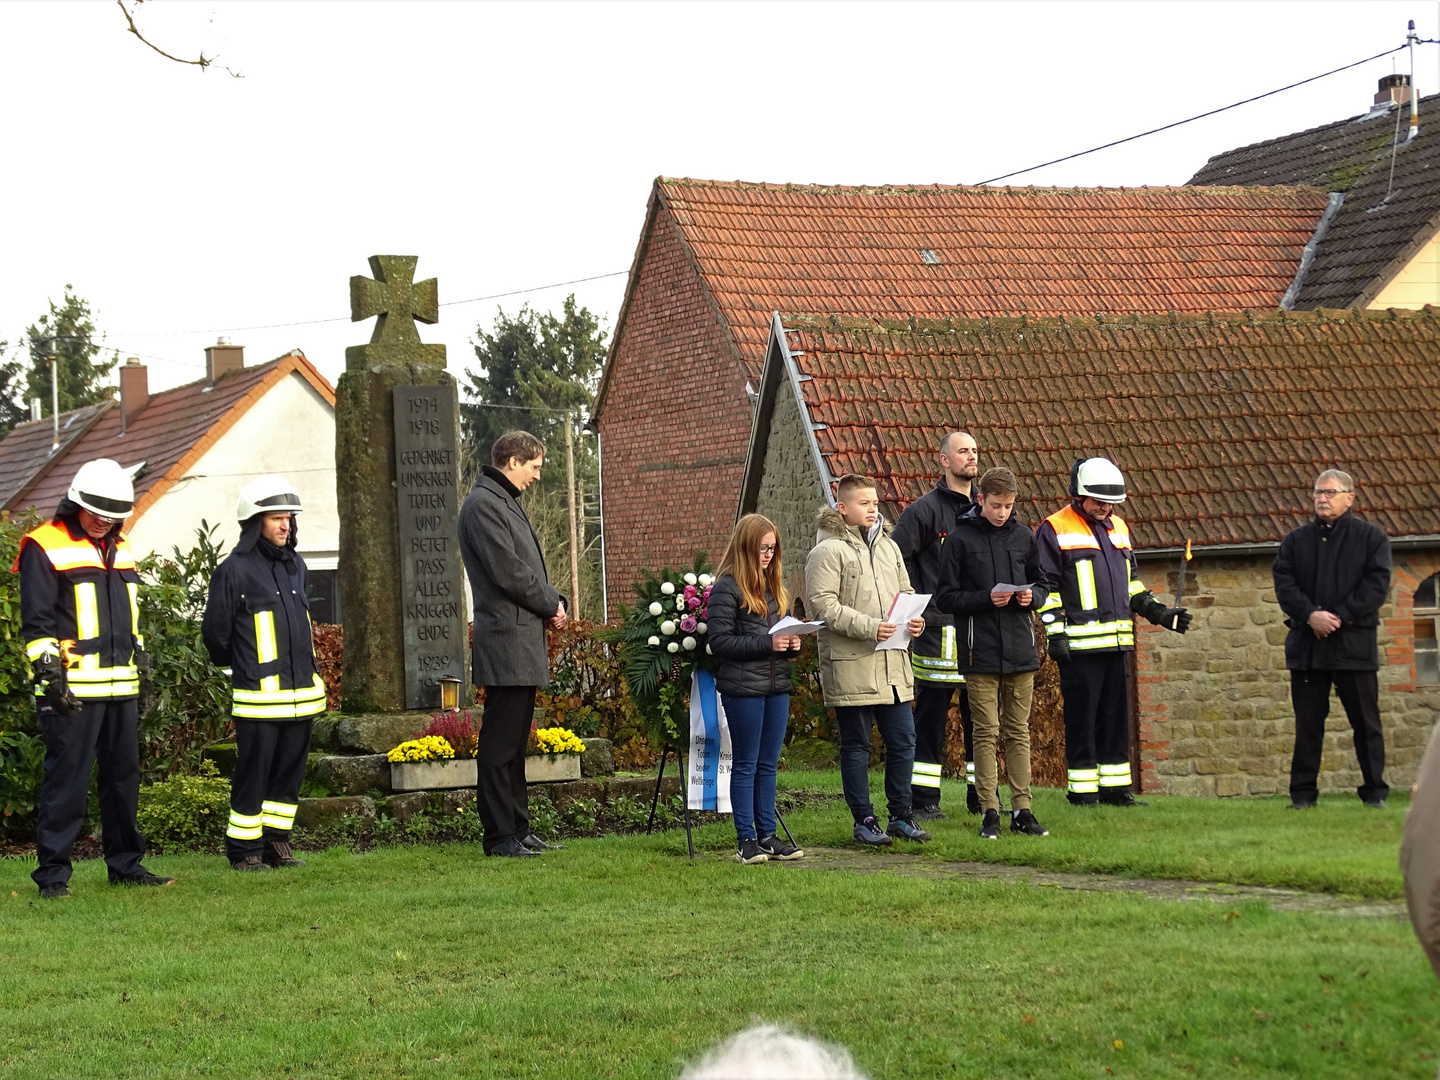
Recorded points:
1200,116
346,318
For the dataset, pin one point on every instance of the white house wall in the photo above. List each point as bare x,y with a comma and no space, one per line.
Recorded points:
290,431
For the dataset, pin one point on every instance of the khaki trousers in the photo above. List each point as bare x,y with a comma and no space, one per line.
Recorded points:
1000,704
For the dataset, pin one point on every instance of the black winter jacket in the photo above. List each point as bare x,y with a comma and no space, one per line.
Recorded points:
920,534
978,556
1343,569
749,665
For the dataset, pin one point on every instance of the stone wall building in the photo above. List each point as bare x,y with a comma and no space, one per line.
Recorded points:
1220,423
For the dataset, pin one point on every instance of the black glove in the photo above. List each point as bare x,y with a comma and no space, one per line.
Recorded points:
1175,618
1059,648
50,674
148,694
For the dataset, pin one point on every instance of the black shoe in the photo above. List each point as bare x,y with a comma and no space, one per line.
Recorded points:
278,854
147,878
534,843
1087,799
251,864
511,848
779,849
1023,821
990,827
1375,802
928,813
1124,799
57,891
972,799
1301,804
750,852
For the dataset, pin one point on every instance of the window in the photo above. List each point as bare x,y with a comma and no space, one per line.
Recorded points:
322,589
1427,632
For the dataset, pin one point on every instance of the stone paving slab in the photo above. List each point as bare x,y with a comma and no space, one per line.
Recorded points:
910,865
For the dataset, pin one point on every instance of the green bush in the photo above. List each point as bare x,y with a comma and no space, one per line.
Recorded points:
185,810
22,748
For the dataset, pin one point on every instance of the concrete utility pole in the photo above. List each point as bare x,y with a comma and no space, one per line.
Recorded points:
54,398
570,504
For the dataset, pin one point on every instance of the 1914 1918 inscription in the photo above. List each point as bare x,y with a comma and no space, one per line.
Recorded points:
431,573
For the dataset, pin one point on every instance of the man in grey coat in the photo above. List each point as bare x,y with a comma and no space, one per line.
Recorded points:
514,604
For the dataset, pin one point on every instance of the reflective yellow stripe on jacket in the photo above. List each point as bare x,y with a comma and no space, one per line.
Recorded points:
278,704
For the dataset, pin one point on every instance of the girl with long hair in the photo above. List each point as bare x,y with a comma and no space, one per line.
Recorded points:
753,678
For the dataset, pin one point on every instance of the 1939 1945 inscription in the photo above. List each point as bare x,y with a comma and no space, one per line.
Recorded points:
431,573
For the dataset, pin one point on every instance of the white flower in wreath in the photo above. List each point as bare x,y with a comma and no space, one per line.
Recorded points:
691,579
667,628
652,640
672,647
689,643
709,651
705,579
701,627
655,608
679,603
667,588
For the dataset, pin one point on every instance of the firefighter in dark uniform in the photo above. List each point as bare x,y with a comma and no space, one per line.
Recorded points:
257,626
80,617
920,534
1087,563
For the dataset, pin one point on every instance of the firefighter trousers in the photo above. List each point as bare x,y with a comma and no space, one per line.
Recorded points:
932,719
103,730
1097,725
270,763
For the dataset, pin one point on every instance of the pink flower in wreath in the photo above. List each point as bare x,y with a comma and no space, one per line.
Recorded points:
688,624
689,592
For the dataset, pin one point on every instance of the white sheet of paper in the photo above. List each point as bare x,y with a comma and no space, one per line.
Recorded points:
907,606
787,625
1010,588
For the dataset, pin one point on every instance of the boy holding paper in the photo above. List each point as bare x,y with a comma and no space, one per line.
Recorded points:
852,578
987,556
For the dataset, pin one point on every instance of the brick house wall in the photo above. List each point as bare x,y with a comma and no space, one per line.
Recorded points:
1215,715
672,449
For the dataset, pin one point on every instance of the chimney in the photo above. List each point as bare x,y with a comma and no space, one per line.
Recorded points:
221,359
1394,89
35,413
134,391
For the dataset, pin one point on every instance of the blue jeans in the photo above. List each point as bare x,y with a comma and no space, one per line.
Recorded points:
757,735
897,730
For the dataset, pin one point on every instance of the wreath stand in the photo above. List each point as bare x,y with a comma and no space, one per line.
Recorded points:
689,833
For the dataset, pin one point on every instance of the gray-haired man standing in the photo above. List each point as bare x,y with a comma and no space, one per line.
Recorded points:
1331,577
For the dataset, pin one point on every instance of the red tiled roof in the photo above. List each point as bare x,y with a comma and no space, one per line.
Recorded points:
173,430
856,252
1220,423
25,451
1391,194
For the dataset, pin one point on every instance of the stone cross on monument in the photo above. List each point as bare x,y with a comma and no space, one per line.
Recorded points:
397,473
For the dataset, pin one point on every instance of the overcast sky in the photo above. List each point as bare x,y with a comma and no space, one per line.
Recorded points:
512,146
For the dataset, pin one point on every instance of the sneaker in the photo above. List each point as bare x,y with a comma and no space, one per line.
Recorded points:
147,878
906,829
251,864
57,891
776,848
1023,821
751,852
990,827
868,832
928,813
972,799
278,854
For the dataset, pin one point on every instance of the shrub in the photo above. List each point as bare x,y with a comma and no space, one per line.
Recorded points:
587,690
185,810
582,815
544,818
22,748
457,729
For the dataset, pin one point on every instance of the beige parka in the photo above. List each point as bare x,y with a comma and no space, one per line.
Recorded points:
1420,854
850,585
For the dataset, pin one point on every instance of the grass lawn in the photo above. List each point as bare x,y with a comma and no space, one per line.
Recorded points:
618,957
1341,846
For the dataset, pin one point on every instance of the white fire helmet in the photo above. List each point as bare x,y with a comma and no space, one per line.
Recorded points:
104,487
1100,479
267,495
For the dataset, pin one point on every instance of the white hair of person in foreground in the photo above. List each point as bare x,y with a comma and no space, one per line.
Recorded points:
767,1052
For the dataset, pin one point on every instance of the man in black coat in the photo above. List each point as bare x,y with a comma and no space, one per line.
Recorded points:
514,603
921,533
1331,577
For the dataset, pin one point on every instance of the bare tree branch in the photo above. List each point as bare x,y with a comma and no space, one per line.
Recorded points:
202,63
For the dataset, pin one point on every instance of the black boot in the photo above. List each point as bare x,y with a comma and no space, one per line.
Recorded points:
278,854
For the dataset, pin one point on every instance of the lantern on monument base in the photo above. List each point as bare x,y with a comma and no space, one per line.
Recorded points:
449,693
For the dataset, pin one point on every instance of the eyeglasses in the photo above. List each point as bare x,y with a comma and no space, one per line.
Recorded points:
1327,493
768,549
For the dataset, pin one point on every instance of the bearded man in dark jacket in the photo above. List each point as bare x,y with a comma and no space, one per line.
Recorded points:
987,556
920,534
1331,577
